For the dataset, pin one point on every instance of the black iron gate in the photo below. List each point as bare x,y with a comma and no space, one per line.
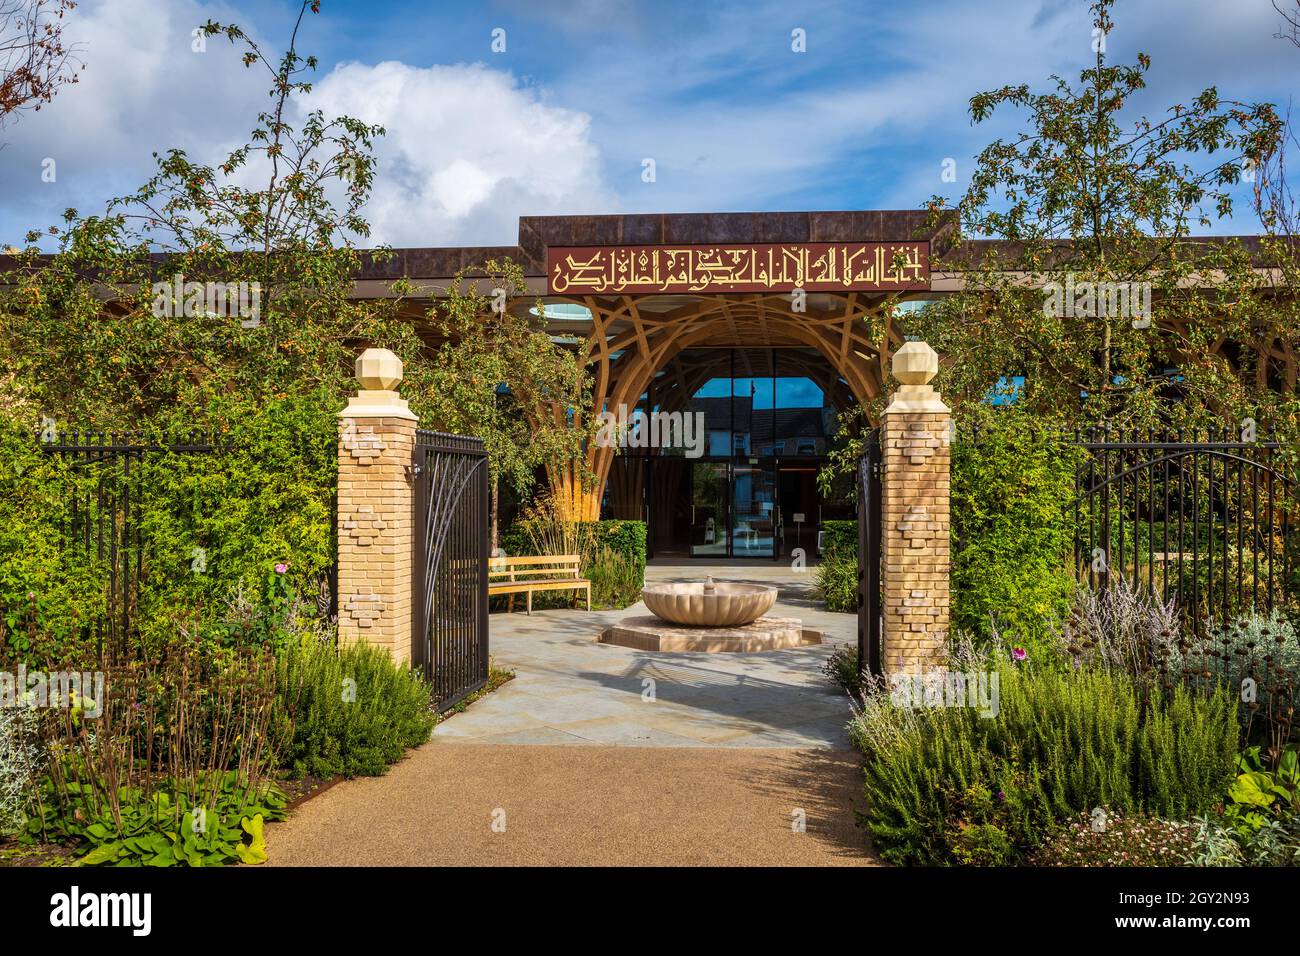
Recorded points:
450,640
869,582
1205,519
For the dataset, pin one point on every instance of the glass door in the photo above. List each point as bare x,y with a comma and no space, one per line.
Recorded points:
754,510
709,509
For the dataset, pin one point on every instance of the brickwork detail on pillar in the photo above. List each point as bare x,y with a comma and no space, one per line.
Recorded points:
362,525
362,443
365,609
915,516
376,533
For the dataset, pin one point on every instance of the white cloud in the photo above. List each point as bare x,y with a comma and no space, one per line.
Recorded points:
467,151
143,90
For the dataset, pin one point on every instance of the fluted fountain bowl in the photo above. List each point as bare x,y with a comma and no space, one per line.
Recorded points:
708,604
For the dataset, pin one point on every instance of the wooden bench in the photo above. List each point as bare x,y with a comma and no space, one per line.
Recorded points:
524,575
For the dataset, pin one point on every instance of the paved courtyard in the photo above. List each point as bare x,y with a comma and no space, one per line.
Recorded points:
571,689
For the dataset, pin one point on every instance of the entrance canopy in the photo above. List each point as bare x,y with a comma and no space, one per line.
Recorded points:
633,291
638,295
641,295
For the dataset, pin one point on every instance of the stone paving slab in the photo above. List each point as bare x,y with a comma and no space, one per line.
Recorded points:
571,689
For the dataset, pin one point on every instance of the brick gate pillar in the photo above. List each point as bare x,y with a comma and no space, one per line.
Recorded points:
914,514
376,533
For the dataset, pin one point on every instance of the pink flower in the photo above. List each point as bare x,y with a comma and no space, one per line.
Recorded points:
282,567
1019,653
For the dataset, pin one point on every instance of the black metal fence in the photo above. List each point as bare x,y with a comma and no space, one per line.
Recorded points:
1205,518
450,640
100,522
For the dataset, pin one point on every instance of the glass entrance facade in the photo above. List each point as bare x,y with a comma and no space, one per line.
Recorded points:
767,419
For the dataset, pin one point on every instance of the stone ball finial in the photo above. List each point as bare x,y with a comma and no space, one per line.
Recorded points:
378,369
915,363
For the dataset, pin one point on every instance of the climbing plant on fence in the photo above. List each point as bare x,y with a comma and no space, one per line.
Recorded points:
1012,524
121,543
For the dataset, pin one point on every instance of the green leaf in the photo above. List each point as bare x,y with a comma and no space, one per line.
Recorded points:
1288,768
1252,789
255,852
250,855
98,831
104,853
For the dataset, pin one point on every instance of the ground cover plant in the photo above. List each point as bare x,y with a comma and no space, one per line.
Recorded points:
1130,743
1104,837
161,762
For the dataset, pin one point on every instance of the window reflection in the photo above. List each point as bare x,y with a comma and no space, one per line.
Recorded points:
781,403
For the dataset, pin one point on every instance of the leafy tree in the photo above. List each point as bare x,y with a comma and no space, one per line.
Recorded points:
497,374
98,335
279,215
1090,193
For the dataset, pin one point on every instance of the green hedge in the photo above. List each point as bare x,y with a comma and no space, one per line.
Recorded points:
1012,530
625,537
840,536
262,499
48,594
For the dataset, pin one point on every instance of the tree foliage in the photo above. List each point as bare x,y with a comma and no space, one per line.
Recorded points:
496,373
1094,192
138,322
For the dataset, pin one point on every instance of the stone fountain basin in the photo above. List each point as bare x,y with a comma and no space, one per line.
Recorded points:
723,605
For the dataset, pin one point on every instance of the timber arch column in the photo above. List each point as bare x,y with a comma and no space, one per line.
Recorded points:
914,518
625,359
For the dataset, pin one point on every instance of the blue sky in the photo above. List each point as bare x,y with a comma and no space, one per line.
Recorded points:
563,120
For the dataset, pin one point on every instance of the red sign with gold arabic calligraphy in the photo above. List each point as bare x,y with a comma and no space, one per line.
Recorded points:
770,267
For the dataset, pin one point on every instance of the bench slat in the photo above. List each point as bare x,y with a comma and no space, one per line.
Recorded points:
505,587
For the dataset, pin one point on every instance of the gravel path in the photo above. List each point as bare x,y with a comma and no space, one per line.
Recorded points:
590,805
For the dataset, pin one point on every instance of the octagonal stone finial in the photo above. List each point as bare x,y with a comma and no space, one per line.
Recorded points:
378,369
915,364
